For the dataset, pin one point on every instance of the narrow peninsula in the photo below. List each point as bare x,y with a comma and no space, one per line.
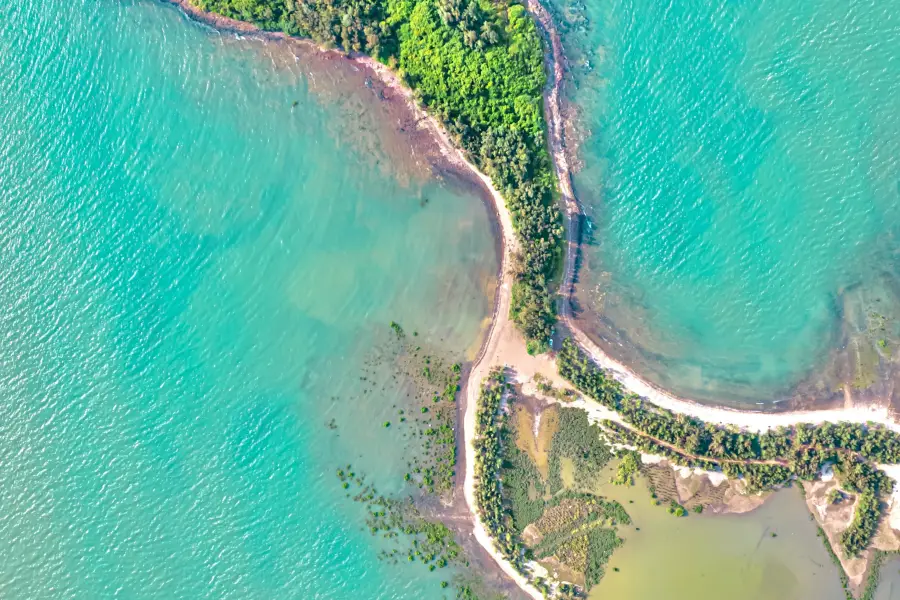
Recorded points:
486,76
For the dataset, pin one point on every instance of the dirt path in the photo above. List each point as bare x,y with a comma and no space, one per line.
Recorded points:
712,459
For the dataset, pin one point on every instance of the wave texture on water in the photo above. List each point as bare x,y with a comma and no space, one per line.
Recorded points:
741,172
204,240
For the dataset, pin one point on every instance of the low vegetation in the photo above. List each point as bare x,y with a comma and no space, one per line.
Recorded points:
545,387
570,516
523,488
629,466
581,442
575,528
601,544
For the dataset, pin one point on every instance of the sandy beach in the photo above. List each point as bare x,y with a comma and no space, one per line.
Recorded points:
503,345
750,420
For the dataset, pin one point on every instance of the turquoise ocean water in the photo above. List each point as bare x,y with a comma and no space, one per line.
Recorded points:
742,175
193,274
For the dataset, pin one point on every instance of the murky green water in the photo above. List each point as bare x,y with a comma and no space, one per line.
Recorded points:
889,580
709,557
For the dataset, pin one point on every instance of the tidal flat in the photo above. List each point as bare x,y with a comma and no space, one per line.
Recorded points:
207,237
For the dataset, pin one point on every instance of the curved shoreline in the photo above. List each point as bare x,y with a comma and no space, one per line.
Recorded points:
498,347
500,326
750,419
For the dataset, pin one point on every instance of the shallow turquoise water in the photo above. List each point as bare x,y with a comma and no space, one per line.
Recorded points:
742,174
192,275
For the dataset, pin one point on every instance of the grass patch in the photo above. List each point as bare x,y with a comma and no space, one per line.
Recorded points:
579,441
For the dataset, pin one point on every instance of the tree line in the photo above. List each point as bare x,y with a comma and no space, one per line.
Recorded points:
764,460
489,423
